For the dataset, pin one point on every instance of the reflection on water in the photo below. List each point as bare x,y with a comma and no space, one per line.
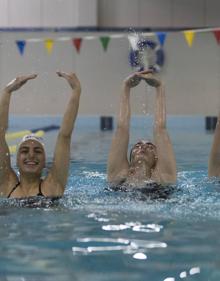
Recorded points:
184,274
131,247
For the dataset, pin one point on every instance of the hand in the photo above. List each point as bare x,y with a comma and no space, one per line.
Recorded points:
71,78
150,78
18,82
132,80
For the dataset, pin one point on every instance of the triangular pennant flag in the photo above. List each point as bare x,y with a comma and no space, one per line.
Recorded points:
21,46
105,42
189,36
217,35
77,43
161,37
49,45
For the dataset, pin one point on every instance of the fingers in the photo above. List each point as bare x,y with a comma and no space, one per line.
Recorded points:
61,73
28,77
65,74
132,80
142,74
71,78
31,76
149,71
147,75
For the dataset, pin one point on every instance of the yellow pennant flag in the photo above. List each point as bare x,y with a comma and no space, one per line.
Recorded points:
189,36
49,45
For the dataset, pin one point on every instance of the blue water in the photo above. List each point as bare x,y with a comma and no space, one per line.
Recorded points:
94,234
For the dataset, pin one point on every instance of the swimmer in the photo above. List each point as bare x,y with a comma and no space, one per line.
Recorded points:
151,163
31,157
214,157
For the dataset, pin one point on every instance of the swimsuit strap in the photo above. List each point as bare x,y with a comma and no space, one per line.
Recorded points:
13,189
40,192
18,183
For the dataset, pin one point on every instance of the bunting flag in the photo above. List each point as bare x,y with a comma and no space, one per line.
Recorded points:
133,39
217,35
49,45
77,43
21,46
161,37
189,36
105,41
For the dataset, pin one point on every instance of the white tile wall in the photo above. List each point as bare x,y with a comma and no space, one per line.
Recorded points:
59,13
87,13
159,13
3,13
212,13
154,13
24,13
188,13
121,13
109,13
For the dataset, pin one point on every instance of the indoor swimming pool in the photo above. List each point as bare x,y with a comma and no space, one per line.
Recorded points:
100,235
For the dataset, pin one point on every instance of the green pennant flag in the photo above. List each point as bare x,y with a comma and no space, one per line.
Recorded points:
105,41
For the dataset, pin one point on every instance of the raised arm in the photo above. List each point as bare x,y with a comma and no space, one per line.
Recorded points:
6,172
60,167
214,157
117,160
166,156
166,166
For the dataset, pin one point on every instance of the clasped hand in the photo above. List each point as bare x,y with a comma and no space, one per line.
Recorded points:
134,79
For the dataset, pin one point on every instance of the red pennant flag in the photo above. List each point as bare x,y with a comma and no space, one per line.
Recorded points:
217,35
77,43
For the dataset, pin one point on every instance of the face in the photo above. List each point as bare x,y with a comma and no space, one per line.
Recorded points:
144,151
31,157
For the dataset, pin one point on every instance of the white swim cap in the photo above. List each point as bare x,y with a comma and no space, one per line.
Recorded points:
32,137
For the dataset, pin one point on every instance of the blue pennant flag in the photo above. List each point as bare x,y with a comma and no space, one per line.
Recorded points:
161,37
21,45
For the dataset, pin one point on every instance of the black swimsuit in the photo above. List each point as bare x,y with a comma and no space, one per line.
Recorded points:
18,183
152,190
38,201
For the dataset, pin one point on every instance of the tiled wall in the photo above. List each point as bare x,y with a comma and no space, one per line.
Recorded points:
159,13
48,13
109,13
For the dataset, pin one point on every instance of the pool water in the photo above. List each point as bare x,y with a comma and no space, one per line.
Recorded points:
96,234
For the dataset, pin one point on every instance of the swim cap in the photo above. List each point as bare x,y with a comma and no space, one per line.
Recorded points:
32,137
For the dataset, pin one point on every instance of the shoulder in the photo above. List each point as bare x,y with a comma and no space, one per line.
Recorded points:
8,184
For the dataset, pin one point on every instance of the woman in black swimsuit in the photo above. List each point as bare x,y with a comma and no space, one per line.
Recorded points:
150,164
31,154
